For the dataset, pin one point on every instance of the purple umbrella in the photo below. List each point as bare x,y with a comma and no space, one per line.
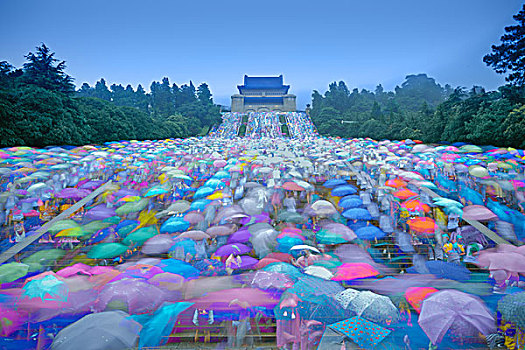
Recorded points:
91,185
100,212
463,314
126,192
158,244
247,262
237,248
351,253
73,193
240,236
140,296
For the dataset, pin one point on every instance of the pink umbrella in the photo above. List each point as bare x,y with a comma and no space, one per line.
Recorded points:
352,271
168,281
235,299
140,296
195,235
74,269
508,261
478,212
222,230
158,244
219,163
194,217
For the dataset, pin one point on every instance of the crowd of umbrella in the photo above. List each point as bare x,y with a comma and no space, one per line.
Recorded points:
332,242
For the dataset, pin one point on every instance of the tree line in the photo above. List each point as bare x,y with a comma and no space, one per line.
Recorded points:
424,110
39,106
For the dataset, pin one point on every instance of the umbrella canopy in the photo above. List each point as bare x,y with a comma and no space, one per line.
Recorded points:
478,212
237,248
463,314
422,225
364,333
12,271
512,308
158,244
107,250
416,295
357,214
105,330
138,295
351,271
343,190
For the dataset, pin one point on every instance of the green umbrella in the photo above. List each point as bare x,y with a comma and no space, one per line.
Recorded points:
12,271
132,207
141,235
112,220
62,225
106,251
43,258
327,237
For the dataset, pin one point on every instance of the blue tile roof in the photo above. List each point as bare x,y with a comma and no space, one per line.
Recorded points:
263,83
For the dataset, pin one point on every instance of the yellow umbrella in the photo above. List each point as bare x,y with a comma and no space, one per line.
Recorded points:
217,195
71,232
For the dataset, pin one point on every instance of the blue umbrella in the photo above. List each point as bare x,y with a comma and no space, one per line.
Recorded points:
357,214
101,235
370,232
343,190
443,269
350,203
285,268
334,182
178,267
214,183
157,327
364,333
187,246
174,224
200,204
203,192
221,175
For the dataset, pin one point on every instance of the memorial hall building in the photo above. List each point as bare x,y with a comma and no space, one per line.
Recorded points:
263,94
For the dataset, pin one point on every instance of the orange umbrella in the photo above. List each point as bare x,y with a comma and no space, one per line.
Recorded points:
395,183
416,295
422,225
404,193
413,205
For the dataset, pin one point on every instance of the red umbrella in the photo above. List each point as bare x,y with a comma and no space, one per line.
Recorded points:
352,271
416,295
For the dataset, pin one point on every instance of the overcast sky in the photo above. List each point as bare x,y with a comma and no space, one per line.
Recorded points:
311,43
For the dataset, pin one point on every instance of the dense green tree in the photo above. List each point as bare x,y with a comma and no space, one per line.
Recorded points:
102,91
204,94
44,70
509,56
